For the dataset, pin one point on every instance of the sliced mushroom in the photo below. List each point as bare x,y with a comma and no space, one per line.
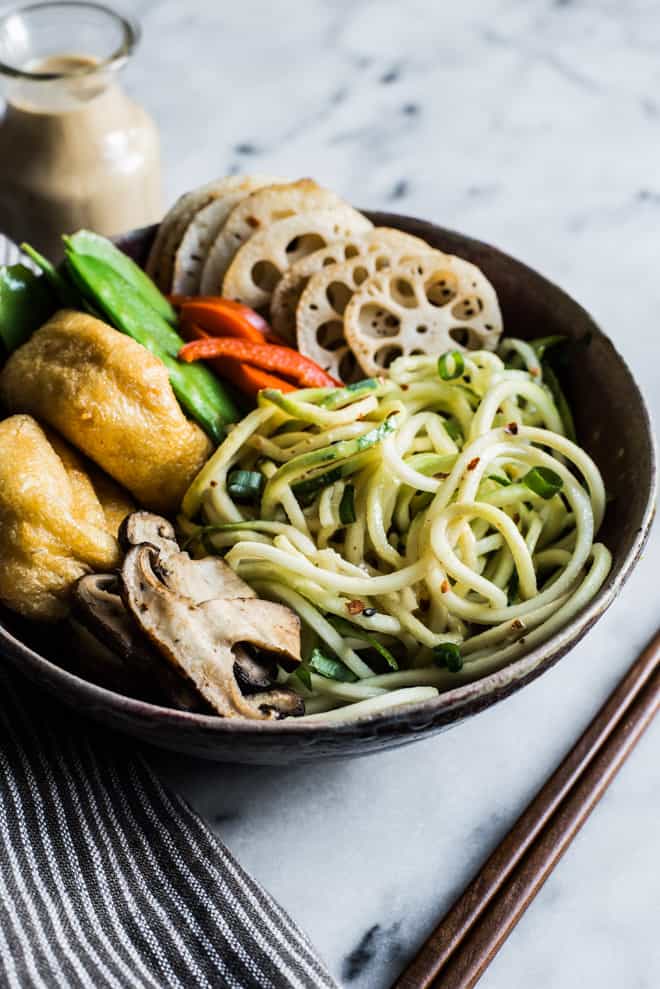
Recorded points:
145,527
252,673
204,639
200,580
98,607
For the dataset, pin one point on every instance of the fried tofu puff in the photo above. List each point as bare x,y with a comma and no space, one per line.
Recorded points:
111,398
58,520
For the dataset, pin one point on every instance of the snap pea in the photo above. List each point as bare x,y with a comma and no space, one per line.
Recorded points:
67,294
197,389
93,245
26,302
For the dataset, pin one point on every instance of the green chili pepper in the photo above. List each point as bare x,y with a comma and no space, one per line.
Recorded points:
26,302
92,245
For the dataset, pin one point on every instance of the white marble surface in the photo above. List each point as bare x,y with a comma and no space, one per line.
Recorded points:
534,125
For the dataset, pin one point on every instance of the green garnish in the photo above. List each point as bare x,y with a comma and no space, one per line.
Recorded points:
304,676
451,365
512,588
245,485
500,479
542,481
551,381
542,344
448,655
332,669
357,632
453,429
347,505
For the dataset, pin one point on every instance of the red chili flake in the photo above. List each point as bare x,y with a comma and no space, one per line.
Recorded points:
441,476
355,607
512,428
404,387
213,484
517,624
473,463
534,371
444,586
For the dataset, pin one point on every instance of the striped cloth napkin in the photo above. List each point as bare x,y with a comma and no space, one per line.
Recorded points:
107,880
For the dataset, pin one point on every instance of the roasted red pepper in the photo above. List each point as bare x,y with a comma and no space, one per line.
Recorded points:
281,360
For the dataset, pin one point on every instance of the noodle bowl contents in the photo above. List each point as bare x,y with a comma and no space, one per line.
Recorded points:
427,528
332,487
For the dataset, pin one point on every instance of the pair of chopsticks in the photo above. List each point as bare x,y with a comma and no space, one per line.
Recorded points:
459,950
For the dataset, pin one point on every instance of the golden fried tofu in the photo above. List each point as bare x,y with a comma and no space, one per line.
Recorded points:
111,398
53,522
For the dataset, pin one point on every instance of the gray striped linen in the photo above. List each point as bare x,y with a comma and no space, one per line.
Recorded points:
108,880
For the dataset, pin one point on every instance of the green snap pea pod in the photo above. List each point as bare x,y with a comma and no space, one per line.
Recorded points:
26,302
197,389
93,245
67,294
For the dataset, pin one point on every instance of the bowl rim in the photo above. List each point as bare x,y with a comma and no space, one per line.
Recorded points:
488,689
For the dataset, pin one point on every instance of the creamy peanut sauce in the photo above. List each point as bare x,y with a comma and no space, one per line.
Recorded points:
75,152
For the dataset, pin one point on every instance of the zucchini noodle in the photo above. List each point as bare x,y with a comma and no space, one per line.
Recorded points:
426,531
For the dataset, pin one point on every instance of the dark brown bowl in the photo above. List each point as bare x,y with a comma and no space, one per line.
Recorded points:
612,424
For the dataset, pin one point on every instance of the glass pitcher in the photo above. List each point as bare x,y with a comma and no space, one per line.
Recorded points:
75,151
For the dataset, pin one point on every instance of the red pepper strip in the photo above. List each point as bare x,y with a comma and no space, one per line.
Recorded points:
202,304
282,360
220,319
248,379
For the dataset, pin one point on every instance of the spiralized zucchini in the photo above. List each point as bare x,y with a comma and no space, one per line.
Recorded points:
428,528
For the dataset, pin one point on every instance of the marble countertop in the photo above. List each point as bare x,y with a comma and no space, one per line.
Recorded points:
533,124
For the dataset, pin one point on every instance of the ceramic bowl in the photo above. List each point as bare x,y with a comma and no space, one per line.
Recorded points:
612,424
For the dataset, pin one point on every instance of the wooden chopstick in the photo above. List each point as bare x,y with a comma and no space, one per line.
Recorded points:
470,934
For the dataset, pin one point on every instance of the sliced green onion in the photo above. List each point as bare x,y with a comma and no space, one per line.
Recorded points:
449,656
453,429
245,485
551,381
357,632
512,588
542,344
500,479
332,669
347,505
304,675
451,365
542,481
